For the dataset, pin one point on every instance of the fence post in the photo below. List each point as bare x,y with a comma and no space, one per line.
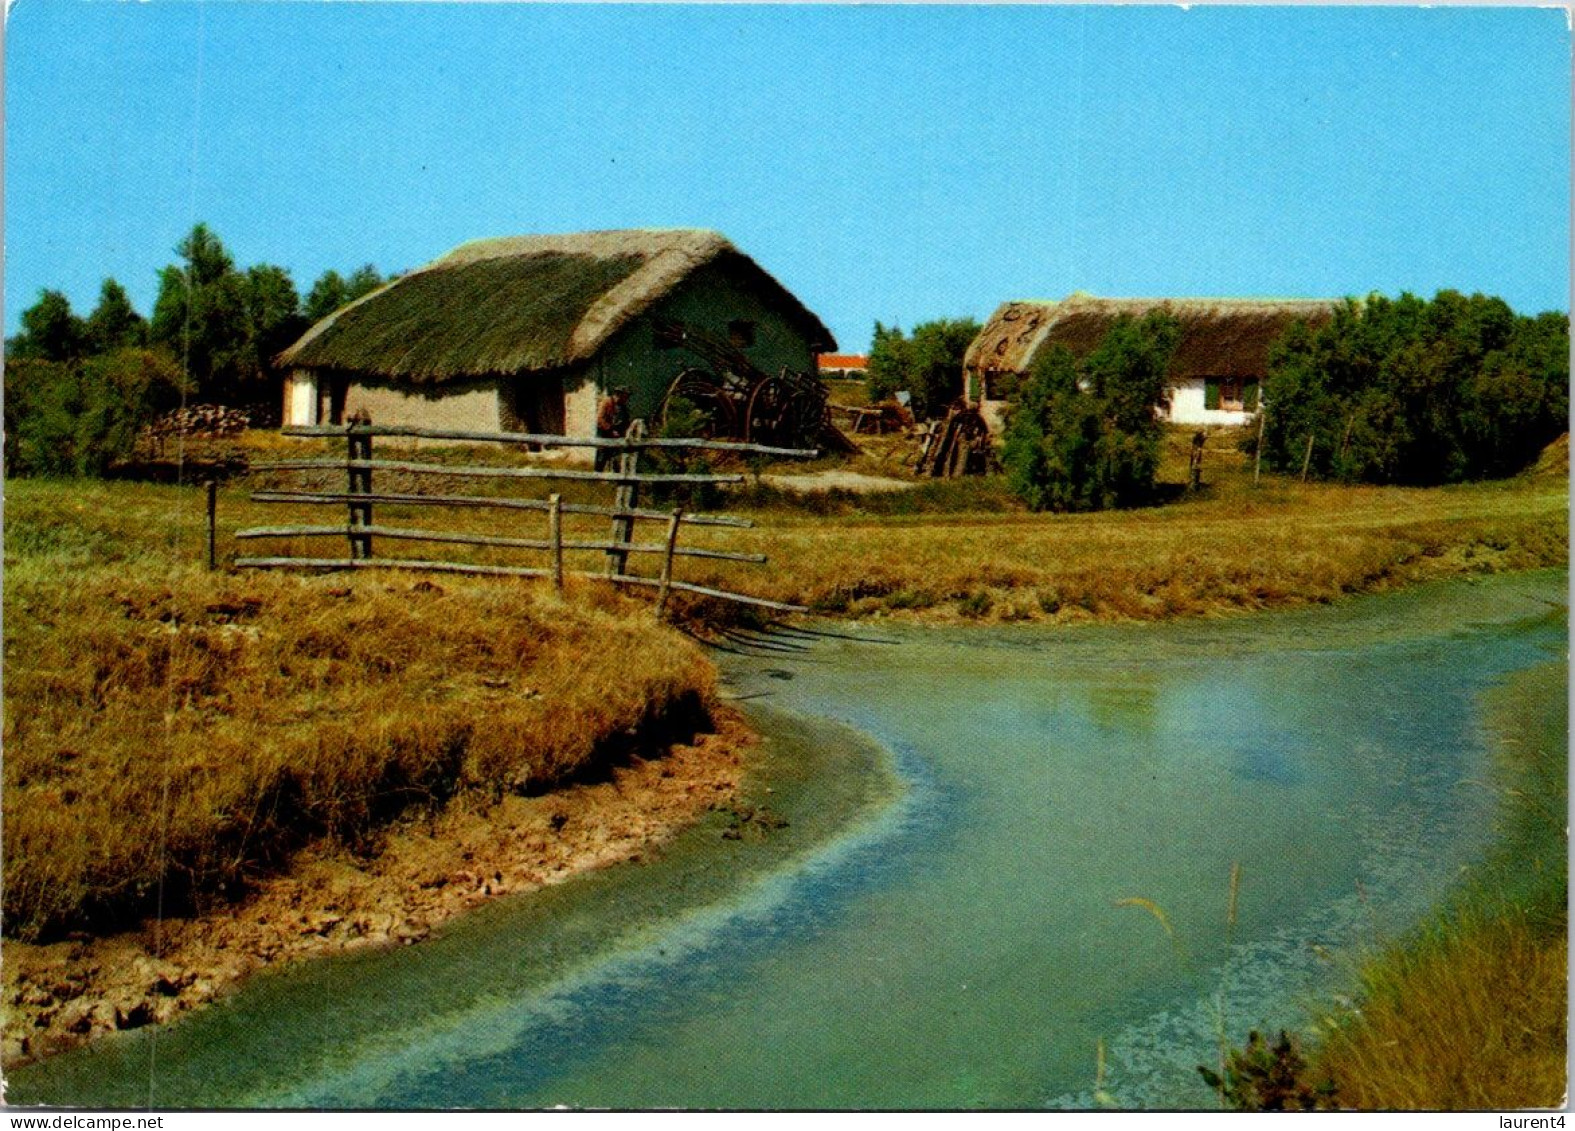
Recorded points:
1257,455
667,560
555,534
1307,459
213,506
358,446
625,498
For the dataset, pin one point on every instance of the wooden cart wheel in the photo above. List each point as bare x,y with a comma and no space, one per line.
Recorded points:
702,391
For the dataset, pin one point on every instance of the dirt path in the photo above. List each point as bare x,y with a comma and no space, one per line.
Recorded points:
428,871
838,481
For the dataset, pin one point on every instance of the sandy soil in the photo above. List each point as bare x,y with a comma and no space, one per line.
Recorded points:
428,869
839,480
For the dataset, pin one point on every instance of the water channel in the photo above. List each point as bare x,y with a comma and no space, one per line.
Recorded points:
943,922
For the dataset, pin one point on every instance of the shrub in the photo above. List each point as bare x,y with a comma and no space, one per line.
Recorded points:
927,365
1264,1077
1085,435
1416,392
78,418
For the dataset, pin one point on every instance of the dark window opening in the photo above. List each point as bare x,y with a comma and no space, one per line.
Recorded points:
741,334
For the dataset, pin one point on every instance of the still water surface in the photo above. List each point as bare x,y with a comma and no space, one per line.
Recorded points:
940,923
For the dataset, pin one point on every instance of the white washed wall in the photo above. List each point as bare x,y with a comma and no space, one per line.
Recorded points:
1186,407
300,398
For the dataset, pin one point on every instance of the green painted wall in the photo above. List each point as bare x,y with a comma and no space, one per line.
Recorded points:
710,299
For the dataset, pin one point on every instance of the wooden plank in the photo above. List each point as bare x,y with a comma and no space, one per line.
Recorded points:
667,562
313,497
549,440
489,472
358,454
555,535
412,534
213,512
502,571
388,563
626,497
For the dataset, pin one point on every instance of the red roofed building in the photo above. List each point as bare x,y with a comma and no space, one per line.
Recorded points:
843,365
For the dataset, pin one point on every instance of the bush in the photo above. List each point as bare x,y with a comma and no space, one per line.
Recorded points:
1416,392
1085,435
927,365
78,418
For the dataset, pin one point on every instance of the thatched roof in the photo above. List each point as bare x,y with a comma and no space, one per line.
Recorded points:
525,303
1220,337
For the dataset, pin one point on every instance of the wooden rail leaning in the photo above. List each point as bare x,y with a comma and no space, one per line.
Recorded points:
506,571
360,530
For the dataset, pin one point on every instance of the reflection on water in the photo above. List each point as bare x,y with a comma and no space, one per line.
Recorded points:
956,940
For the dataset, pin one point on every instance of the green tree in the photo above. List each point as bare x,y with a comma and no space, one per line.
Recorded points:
224,324
200,316
50,331
928,365
1411,391
79,418
114,323
326,296
362,281
332,290
888,365
273,315
1086,435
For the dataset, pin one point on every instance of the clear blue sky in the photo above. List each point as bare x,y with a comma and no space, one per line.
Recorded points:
893,163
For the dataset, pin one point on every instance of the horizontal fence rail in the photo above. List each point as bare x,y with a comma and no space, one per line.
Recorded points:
416,468
361,532
548,440
414,535
482,501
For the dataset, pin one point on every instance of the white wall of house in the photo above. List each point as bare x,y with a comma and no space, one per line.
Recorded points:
300,398
579,412
1187,406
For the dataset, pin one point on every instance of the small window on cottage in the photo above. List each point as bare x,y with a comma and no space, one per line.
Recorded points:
1231,394
741,333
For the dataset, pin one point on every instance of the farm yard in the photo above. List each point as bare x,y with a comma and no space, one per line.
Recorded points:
681,558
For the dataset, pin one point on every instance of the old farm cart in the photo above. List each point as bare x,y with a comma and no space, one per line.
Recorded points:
361,532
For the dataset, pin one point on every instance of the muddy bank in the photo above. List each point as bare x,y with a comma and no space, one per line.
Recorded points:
428,870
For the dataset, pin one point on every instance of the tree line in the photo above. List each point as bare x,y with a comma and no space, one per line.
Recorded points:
1417,392
1387,391
78,390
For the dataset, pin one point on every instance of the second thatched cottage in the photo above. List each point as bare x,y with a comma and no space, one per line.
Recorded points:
1215,373
523,334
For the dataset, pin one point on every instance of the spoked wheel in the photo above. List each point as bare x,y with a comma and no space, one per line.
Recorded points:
696,391
785,412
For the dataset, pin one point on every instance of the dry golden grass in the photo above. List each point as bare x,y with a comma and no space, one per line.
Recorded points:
1232,548
966,549
167,726
1473,1017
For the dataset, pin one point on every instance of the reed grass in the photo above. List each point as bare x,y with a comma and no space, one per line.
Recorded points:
170,733
1472,1011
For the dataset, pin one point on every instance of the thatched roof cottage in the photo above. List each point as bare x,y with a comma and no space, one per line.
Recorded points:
1215,373
523,333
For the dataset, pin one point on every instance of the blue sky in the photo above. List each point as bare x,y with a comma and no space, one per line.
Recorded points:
892,163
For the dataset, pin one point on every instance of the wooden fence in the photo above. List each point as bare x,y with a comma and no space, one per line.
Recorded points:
361,532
